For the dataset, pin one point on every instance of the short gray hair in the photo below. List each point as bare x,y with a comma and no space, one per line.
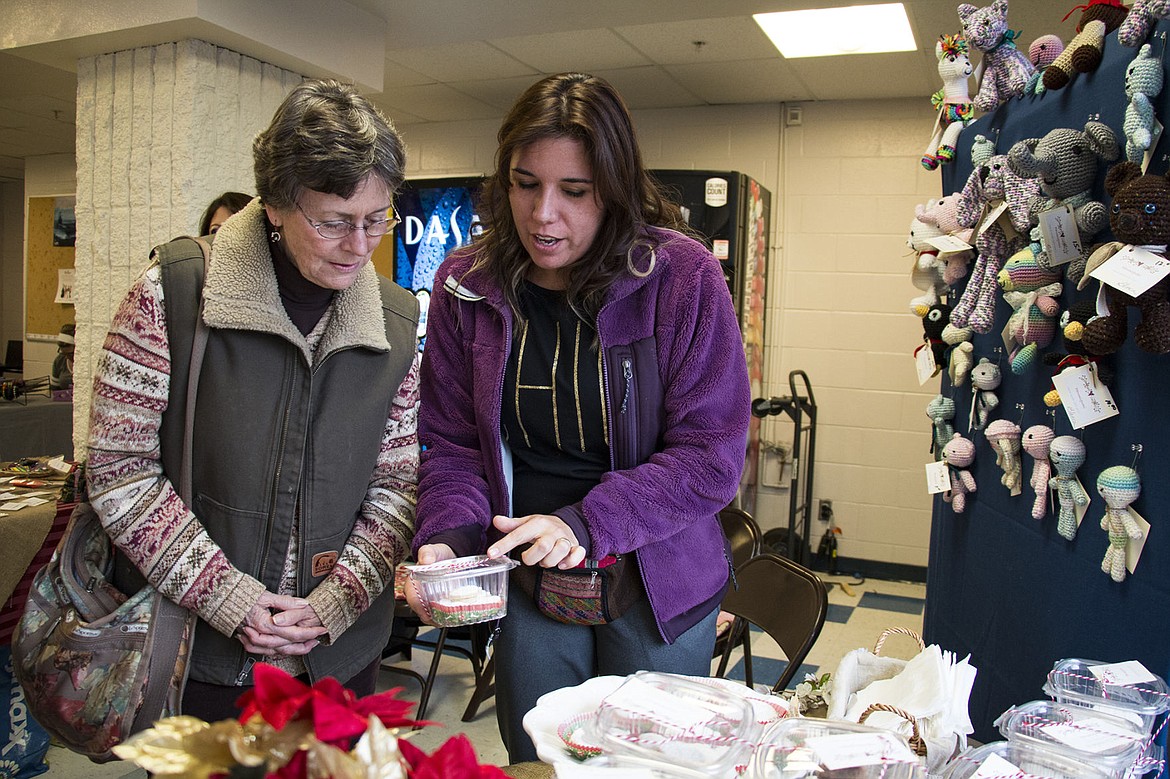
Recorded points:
328,138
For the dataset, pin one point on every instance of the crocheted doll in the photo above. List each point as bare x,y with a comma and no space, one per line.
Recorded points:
1083,53
1065,163
953,101
985,378
1004,437
961,353
959,453
1042,52
943,214
1005,68
1140,21
1033,293
941,411
1036,441
927,271
1140,216
1066,453
1143,81
1119,486
990,182
1072,330
936,319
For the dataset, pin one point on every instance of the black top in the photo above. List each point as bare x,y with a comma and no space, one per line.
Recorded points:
304,302
553,415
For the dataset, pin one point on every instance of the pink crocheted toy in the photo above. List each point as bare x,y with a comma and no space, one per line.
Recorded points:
958,454
1036,441
1004,437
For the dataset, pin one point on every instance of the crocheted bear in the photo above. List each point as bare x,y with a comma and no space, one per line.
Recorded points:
1066,453
933,323
1119,486
1004,437
1140,216
943,214
953,101
1065,164
1083,53
1005,68
1140,21
1143,81
959,453
1033,293
985,379
941,411
991,181
960,355
1042,52
927,272
1036,441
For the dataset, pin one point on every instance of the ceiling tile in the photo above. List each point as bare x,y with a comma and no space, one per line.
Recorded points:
473,59
584,50
435,103
649,87
746,81
500,93
864,76
725,39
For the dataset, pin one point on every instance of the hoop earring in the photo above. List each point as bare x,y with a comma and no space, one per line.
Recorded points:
274,236
630,260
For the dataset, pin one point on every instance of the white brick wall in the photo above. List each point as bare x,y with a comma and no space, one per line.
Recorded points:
844,185
161,131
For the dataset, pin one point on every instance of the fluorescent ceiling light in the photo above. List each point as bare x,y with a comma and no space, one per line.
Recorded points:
825,32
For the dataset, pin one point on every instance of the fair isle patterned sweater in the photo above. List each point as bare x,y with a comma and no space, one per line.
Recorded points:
145,517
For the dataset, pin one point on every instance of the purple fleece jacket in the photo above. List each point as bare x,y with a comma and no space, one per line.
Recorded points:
678,403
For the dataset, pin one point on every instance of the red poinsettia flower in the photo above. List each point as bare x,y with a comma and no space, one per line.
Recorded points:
454,760
338,716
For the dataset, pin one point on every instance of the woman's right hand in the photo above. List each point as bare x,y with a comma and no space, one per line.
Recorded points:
430,553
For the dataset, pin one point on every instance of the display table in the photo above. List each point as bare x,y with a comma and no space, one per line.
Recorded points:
42,427
30,535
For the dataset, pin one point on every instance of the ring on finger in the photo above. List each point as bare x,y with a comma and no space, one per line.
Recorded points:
562,538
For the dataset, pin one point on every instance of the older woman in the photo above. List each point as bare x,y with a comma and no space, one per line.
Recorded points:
305,452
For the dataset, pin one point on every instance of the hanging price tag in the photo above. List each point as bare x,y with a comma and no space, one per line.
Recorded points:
1128,672
1083,398
1133,270
947,244
924,363
938,477
1059,235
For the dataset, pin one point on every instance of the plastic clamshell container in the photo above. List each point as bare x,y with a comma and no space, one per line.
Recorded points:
627,767
465,590
1072,681
1095,736
1002,759
830,749
677,721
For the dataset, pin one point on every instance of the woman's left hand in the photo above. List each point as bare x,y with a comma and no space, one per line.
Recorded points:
552,542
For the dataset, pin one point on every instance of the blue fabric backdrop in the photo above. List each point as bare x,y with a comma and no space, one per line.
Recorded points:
1000,585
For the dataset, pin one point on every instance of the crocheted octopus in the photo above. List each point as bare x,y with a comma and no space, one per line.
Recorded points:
1004,437
1067,453
1119,486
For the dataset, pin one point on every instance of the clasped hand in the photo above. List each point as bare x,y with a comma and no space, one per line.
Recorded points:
280,625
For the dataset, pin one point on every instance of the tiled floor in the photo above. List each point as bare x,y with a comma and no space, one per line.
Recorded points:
858,613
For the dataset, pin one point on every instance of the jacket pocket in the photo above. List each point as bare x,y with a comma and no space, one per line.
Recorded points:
242,534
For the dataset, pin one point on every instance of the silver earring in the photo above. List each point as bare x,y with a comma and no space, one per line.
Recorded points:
274,236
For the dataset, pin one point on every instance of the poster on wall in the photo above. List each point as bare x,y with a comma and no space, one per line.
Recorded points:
64,286
64,222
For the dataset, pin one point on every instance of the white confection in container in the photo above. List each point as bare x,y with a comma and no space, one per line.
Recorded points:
832,749
463,591
1004,759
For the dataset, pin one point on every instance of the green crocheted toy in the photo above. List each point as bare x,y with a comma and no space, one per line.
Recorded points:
1119,486
1143,81
1067,453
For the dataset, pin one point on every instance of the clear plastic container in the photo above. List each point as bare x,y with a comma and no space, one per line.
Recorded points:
1095,736
673,720
623,766
830,749
463,591
1072,681
1011,758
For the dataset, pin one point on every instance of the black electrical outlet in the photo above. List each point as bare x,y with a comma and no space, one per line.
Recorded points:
826,510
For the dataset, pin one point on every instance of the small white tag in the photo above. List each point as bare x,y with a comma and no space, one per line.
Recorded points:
938,477
849,750
1132,270
1125,673
924,363
720,248
1061,239
1005,335
1083,398
715,192
948,244
81,632
992,216
1155,134
1080,510
995,765
1133,550
1089,734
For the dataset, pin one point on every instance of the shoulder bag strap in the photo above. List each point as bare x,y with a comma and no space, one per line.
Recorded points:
198,347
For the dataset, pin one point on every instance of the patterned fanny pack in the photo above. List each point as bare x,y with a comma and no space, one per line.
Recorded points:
596,593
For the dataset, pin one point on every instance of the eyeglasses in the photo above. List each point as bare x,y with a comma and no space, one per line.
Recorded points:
338,229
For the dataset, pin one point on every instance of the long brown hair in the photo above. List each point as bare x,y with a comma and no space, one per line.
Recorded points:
587,109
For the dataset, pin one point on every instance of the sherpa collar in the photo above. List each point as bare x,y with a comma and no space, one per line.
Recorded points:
241,293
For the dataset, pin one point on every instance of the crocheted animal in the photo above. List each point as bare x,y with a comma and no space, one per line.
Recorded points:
1036,441
1083,53
1005,68
941,411
1042,52
1119,486
1033,293
1065,164
961,353
927,272
943,214
936,319
1004,437
1143,81
985,379
953,101
1140,216
1066,453
1072,329
991,182
959,453
1140,21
